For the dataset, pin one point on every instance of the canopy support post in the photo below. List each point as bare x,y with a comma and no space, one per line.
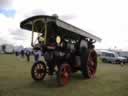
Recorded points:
32,34
45,38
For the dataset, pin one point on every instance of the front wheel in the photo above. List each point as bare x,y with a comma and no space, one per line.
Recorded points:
38,71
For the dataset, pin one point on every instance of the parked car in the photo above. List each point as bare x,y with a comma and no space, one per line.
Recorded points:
126,58
112,57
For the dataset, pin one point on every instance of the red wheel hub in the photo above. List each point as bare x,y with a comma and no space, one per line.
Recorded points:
65,74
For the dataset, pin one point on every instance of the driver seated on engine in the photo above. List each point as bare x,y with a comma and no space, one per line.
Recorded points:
38,48
41,39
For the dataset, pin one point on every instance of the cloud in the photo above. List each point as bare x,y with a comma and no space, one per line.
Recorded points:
8,12
5,3
18,34
67,16
102,18
6,25
18,38
3,41
33,13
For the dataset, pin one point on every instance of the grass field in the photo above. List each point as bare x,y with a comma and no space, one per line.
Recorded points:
15,80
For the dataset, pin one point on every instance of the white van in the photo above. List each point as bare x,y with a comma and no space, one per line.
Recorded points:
9,49
111,57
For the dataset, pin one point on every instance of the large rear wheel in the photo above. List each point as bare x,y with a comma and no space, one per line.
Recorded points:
88,63
38,71
92,63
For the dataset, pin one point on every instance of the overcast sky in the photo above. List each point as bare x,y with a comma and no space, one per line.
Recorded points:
107,19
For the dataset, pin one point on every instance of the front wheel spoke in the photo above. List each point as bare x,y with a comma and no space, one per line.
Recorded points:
41,67
41,72
38,67
38,76
35,71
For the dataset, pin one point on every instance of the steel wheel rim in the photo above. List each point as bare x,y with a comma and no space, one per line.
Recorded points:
91,64
39,71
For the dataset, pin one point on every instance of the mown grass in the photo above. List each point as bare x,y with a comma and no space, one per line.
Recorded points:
15,80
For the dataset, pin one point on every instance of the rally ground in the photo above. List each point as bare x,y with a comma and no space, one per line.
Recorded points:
15,80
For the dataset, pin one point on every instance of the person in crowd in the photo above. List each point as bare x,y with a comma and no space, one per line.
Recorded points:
22,53
27,53
16,53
